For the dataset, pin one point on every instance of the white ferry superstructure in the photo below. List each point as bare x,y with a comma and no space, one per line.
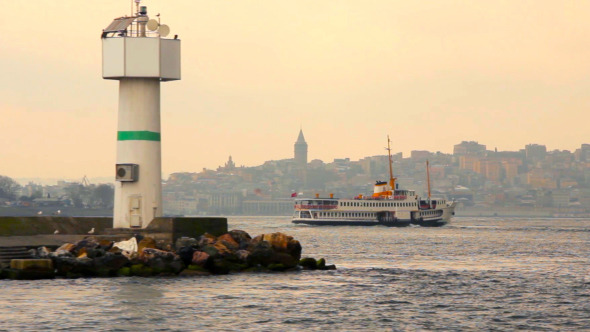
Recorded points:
387,206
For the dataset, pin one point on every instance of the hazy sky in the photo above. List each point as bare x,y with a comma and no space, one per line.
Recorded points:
428,73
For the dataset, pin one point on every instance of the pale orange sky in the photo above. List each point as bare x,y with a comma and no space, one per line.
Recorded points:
428,73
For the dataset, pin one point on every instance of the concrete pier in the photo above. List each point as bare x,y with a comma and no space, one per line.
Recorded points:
41,231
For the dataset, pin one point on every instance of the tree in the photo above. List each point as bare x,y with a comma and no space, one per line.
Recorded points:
103,195
8,187
77,193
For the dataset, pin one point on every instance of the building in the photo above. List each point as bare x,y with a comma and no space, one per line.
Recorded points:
469,148
301,150
535,152
300,158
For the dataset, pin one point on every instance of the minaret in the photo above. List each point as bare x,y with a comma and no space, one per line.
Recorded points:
139,60
301,150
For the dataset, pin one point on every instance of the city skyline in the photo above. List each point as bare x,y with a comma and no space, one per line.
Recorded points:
429,74
418,153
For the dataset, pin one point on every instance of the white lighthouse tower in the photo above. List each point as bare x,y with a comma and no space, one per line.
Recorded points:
135,52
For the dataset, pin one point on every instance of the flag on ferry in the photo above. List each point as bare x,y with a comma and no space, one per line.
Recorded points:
294,195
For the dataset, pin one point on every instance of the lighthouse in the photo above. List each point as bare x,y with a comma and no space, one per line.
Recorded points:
136,52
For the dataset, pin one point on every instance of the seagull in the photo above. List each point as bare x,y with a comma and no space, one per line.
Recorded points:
40,212
58,211
91,231
56,232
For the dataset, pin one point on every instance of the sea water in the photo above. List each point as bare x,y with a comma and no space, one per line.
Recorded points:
473,274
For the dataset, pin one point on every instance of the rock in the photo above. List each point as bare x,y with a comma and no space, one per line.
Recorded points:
294,249
109,264
241,237
43,252
130,255
69,247
242,255
146,243
284,259
141,270
186,254
210,250
124,271
277,267
216,250
95,252
194,270
222,249
308,263
161,261
106,245
281,242
206,240
115,249
200,258
260,254
82,253
87,243
329,267
321,263
71,267
224,266
228,241
186,242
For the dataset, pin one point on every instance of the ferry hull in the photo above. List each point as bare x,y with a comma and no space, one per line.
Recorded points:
334,222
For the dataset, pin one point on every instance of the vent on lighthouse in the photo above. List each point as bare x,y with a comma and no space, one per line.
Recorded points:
127,172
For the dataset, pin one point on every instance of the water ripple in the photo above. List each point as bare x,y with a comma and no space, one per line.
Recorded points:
476,274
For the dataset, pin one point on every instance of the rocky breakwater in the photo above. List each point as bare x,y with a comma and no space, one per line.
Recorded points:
232,252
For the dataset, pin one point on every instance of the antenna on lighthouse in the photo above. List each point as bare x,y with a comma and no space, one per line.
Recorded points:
162,29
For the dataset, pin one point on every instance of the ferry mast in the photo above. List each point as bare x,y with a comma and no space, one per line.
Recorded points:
391,178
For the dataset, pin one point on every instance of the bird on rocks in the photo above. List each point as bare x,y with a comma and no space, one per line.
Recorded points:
56,232
40,212
91,231
58,211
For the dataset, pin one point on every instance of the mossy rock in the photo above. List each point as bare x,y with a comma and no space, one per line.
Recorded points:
277,267
124,271
329,267
73,275
193,273
198,268
257,269
321,263
2,274
15,274
141,270
105,272
222,266
309,263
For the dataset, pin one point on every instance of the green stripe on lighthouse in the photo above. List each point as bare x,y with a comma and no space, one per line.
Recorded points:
138,136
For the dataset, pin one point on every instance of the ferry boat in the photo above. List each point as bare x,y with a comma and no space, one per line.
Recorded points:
388,205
